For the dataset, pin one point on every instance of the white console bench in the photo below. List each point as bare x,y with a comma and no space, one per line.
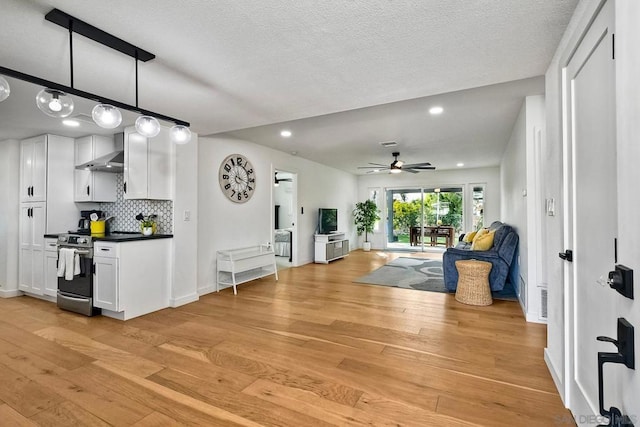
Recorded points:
235,266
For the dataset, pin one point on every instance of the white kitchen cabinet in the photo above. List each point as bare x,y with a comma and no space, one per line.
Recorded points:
33,169
90,186
50,286
148,165
131,278
32,224
105,280
47,205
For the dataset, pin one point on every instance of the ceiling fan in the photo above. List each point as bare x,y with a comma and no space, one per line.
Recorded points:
398,166
277,181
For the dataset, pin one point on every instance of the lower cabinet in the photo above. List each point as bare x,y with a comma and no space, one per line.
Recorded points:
31,255
50,267
105,280
131,278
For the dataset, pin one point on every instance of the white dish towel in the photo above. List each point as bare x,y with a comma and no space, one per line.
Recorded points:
68,263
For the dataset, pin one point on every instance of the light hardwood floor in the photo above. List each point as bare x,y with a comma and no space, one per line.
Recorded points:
313,349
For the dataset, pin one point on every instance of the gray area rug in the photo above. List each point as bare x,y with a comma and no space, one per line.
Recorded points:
410,273
422,274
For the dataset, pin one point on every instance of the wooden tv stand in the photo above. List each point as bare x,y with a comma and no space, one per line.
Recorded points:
329,247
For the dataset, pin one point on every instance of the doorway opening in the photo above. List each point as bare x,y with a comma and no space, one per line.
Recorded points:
284,218
424,219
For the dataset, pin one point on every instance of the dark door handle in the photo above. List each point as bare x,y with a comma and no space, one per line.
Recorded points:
88,190
566,255
125,187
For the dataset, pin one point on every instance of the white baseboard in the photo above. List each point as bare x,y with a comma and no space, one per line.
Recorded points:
10,293
207,289
187,299
534,318
555,375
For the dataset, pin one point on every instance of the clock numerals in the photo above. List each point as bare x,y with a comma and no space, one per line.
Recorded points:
237,179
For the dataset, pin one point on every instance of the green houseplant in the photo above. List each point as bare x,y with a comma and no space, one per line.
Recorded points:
365,216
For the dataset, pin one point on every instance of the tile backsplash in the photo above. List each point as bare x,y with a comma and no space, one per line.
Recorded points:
125,211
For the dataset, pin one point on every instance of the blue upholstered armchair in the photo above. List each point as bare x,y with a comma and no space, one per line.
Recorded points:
501,256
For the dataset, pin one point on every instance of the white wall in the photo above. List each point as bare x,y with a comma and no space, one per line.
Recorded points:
435,179
227,225
9,194
520,198
185,233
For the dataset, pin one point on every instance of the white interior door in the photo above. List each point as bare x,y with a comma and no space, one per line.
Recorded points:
591,192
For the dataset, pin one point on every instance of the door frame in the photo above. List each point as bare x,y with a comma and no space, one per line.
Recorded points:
580,405
295,247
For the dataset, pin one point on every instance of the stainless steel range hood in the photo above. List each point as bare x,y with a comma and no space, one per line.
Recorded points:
112,162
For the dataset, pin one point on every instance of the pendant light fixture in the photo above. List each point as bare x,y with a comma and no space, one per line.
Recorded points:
54,103
180,134
5,89
106,116
147,126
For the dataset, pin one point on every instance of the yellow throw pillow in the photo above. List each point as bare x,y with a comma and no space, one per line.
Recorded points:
469,237
480,233
484,242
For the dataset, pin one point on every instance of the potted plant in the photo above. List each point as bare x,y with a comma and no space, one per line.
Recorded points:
365,216
147,224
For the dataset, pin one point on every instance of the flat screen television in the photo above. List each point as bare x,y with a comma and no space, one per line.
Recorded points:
327,220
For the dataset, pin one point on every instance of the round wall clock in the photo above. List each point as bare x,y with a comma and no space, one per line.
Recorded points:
237,178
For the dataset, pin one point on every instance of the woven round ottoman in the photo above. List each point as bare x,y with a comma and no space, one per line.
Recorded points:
473,282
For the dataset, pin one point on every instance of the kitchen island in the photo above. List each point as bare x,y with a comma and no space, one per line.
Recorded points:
131,272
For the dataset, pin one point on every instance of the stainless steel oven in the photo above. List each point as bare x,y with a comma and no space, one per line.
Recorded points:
77,294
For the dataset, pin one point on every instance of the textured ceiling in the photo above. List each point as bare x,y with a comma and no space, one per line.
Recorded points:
231,64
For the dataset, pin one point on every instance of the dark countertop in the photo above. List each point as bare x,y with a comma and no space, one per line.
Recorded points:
129,237
119,237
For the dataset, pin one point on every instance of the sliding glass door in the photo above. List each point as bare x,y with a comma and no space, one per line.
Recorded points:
419,218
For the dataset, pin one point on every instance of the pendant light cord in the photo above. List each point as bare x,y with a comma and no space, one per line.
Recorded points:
136,57
71,51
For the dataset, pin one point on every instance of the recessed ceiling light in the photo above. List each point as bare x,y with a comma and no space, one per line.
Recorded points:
285,133
460,165
436,110
70,122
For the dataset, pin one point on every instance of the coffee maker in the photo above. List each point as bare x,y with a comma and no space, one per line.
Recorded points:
84,225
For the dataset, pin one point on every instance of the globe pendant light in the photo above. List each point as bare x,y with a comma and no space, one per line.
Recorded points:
54,103
106,116
5,90
180,134
147,126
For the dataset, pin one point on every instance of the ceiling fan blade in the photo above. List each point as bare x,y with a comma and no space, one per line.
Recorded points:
381,167
409,170
423,168
416,165
377,164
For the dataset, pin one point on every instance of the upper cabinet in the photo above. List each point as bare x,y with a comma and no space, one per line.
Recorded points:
92,186
33,170
148,165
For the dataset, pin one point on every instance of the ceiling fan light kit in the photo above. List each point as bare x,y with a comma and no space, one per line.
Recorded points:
55,101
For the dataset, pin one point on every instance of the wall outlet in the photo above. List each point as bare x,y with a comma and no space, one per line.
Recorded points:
186,216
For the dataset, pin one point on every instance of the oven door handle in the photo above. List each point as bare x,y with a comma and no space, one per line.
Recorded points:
82,252
67,296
